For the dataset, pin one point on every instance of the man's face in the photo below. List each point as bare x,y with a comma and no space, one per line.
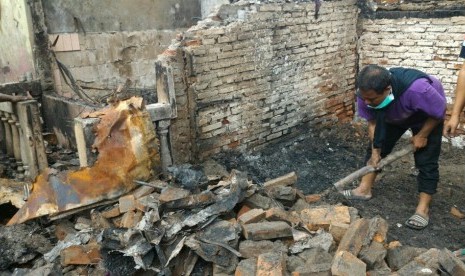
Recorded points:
371,98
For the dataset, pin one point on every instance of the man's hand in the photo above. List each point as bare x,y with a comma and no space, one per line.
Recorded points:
421,138
419,142
450,127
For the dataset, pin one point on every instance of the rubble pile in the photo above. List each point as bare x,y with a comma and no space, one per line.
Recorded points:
217,223
118,218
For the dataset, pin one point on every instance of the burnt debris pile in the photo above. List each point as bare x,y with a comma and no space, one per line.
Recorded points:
207,221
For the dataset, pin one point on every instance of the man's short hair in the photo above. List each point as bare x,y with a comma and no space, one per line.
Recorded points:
373,77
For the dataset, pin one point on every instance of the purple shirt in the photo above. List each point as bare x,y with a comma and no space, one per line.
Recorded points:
420,101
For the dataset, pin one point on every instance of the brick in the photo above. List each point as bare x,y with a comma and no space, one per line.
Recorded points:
141,207
345,264
112,212
64,228
322,217
225,271
266,230
252,216
394,244
244,209
322,239
191,201
99,221
373,255
279,214
82,270
82,223
270,7
294,262
117,221
171,193
426,263
450,263
300,205
354,238
303,273
381,270
312,198
148,202
377,229
259,201
130,219
399,256
284,194
317,260
80,255
143,191
127,203
246,267
271,264
338,230
285,180
252,249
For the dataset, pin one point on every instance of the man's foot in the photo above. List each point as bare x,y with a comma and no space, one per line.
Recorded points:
417,222
351,195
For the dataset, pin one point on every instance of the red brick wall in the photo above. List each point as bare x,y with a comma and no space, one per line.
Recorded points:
254,73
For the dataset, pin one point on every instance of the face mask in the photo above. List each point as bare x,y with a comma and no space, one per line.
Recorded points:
385,102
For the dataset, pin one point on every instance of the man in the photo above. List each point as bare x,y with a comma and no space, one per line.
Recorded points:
393,101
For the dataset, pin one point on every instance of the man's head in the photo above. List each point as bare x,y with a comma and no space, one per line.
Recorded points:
373,84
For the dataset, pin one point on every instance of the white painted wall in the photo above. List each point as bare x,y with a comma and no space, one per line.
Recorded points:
16,59
209,5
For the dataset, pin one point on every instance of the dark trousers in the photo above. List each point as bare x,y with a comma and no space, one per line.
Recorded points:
426,159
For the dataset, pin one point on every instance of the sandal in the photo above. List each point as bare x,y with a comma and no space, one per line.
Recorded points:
350,195
417,222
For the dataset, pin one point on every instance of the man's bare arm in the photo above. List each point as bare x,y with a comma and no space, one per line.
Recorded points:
459,103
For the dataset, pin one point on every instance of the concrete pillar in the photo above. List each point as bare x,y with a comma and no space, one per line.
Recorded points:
165,152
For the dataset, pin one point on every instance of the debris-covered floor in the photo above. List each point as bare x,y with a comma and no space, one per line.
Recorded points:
250,214
320,159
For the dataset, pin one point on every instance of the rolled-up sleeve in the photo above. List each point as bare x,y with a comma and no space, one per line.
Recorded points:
430,99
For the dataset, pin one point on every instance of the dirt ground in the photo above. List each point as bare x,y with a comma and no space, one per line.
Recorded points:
324,157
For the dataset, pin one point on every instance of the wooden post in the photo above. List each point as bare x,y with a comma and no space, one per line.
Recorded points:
13,141
24,159
80,143
27,140
166,95
2,140
17,147
165,86
31,137
83,132
165,153
38,138
2,137
8,137
15,136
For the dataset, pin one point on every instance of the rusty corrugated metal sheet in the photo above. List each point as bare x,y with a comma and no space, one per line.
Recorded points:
127,147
